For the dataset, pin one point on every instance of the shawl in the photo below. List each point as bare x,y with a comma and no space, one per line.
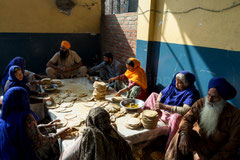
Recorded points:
100,141
14,81
14,142
16,61
172,96
138,74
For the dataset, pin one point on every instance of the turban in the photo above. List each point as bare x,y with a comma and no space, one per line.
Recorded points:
66,44
224,88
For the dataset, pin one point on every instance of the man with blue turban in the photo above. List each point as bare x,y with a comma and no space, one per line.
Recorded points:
216,123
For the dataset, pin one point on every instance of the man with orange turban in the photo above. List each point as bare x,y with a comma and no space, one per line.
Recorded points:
65,63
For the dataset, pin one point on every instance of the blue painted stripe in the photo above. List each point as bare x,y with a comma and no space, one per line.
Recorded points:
165,59
38,48
142,50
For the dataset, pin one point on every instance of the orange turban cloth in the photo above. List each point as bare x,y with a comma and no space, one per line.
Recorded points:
66,44
138,74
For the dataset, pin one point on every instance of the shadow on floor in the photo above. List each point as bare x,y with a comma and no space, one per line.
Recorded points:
151,150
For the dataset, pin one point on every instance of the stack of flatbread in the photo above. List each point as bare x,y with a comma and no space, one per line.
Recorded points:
149,119
133,123
46,81
57,82
100,90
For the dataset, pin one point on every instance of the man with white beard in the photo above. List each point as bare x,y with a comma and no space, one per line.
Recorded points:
217,136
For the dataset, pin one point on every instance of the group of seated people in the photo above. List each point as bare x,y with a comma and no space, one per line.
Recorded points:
199,128
22,138
207,128
211,127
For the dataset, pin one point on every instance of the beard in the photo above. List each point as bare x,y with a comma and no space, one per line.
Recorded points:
209,115
63,54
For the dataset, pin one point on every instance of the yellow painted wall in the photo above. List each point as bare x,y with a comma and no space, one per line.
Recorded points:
198,27
42,16
145,21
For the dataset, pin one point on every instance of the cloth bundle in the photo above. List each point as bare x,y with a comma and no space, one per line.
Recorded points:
100,90
149,119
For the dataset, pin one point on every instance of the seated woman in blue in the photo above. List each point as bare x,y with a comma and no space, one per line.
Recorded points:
16,61
28,75
20,137
174,100
16,78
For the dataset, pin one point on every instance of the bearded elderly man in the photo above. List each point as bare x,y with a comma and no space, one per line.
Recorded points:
65,63
218,123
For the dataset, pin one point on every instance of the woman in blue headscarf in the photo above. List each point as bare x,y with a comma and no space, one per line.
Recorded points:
36,99
174,100
14,143
16,61
16,78
28,75
20,137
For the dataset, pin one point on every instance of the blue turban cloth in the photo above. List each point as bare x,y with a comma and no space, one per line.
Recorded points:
172,96
19,61
223,87
14,141
15,82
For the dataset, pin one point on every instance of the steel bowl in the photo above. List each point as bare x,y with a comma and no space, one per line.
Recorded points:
125,102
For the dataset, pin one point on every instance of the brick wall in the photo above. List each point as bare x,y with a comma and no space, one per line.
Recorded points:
119,35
